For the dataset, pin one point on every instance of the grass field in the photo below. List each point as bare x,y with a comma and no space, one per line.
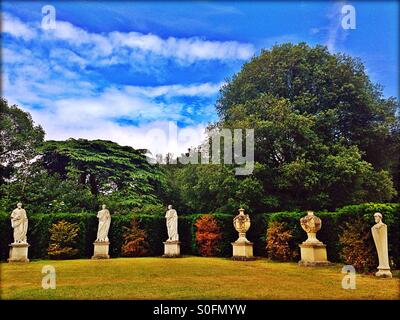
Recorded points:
188,278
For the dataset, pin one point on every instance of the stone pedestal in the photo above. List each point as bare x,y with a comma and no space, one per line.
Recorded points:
313,254
18,252
242,250
383,273
172,249
101,250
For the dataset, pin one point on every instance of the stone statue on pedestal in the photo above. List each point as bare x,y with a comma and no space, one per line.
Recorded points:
171,217
19,248
379,233
104,224
172,248
19,221
101,245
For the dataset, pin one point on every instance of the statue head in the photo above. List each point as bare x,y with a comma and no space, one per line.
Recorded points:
169,207
19,205
378,217
103,206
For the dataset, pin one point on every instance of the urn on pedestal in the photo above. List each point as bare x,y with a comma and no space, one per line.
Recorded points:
313,251
242,248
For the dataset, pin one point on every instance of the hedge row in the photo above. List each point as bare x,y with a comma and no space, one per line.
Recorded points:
333,223
154,225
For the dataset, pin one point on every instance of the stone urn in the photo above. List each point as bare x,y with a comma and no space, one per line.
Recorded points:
311,224
242,224
313,252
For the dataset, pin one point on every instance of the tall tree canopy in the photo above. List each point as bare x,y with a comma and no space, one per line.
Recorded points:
117,174
333,87
19,139
324,134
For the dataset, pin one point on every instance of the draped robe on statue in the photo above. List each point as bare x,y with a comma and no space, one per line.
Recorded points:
104,225
19,221
379,233
172,225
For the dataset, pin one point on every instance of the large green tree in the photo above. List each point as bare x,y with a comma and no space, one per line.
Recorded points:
19,139
333,87
325,136
118,175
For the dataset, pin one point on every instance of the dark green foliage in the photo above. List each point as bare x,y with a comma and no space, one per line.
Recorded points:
47,193
325,136
119,175
19,139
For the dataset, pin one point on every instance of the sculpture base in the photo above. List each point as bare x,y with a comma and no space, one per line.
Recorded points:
242,251
384,273
313,254
18,252
101,250
172,249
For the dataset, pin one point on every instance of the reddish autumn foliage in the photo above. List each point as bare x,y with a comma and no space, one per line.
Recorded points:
208,235
357,246
135,241
278,242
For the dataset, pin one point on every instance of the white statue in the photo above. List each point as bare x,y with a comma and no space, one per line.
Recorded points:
379,233
19,221
172,224
104,224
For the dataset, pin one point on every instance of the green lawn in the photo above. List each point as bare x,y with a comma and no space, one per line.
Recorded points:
188,278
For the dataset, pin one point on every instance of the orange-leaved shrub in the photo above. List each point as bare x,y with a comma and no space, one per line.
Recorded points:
63,239
135,242
357,245
208,235
278,246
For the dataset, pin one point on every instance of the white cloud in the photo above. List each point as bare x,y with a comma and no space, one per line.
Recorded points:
96,46
85,113
16,27
203,89
52,81
186,49
336,33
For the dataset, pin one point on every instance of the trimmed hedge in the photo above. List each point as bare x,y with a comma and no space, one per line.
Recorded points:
333,222
154,225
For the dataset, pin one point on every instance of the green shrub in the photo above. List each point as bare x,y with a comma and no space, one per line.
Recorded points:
63,239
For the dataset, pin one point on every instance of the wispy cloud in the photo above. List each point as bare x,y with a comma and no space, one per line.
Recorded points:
335,32
55,75
108,45
15,27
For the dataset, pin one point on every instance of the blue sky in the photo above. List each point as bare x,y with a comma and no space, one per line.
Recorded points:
123,71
